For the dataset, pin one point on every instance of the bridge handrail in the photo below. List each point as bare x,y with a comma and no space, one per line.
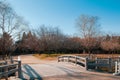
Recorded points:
5,71
75,59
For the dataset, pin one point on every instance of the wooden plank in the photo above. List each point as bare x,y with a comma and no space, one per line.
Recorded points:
3,74
81,58
98,65
81,61
3,66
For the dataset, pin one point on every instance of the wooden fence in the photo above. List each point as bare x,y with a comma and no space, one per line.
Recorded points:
109,63
7,68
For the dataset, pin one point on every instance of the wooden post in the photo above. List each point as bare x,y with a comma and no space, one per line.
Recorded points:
76,60
58,59
5,63
86,63
19,58
116,67
119,58
110,64
68,58
19,69
96,62
6,70
119,67
63,58
11,59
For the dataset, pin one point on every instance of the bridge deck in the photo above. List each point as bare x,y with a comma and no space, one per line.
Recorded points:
33,68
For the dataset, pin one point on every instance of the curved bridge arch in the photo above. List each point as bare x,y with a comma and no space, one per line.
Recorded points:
74,59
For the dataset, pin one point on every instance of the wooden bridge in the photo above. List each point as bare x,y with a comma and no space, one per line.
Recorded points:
33,68
75,59
87,63
9,67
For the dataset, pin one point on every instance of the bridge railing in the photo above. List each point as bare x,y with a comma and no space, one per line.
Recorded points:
87,63
74,59
7,69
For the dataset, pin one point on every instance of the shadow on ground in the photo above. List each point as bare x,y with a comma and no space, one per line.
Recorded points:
30,72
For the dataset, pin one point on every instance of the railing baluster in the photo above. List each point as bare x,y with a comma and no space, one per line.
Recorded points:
116,67
119,67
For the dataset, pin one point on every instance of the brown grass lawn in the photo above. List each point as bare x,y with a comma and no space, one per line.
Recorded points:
47,56
54,56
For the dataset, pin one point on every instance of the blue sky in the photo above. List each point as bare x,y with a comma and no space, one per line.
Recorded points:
63,13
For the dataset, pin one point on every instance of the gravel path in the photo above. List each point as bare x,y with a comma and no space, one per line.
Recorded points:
36,69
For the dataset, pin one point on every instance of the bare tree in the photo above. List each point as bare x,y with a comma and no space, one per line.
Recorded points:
29,43
50,38
88,26
9,21
110,44
6,45
89,29
10,24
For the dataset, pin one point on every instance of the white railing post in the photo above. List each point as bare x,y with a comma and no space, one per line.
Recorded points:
19,58
117,68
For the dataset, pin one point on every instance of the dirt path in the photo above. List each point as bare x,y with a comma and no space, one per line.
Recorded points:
36,69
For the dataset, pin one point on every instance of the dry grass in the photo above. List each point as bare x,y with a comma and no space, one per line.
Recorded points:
54,56
47,56
107,55
50,56
100,55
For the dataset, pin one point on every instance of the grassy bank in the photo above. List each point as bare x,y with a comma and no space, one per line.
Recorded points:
55,55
